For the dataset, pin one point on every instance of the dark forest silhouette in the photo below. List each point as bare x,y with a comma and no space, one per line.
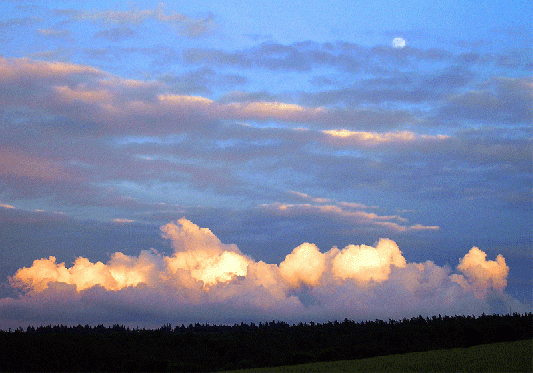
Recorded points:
205,347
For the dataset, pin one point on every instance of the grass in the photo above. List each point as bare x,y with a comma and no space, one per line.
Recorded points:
497,357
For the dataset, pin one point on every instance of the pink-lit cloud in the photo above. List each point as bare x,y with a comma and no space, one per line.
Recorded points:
481,274
364,263
208,280
24,67
304,265
118,105
349,212
123,220
17,164
346,137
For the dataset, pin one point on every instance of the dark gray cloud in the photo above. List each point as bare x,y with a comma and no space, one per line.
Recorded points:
399,88
346,57
500,100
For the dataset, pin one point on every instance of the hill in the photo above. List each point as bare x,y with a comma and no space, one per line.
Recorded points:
514,356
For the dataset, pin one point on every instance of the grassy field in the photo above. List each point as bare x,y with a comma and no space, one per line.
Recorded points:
498,357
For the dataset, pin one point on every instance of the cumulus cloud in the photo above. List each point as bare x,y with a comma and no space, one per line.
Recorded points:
121,271
366,263
304,265
480,274
208,280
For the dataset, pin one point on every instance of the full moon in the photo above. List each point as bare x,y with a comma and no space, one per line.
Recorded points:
398,43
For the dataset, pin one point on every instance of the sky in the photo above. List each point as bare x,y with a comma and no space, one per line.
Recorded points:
202,161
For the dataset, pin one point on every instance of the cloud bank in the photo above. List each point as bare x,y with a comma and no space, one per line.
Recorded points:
205,280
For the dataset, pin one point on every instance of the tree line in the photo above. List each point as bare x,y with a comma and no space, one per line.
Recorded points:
205,347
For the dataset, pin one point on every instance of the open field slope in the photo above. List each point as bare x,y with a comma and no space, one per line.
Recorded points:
514,356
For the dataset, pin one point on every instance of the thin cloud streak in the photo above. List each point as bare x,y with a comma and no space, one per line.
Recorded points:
347,212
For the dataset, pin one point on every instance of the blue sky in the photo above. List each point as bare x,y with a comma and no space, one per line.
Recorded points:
270,124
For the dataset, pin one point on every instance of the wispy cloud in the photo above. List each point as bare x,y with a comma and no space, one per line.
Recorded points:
351,213
123,221
185,25
54,33
373,138
19,22
116,33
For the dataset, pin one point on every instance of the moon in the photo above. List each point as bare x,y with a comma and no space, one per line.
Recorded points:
398,43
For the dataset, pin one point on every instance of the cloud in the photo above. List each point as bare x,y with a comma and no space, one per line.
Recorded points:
365,263
283,112
199,252
19,22
113,105
116,34
100,140
122,220
312,199
250,110
304,56
500,100
13,68
185,25
54,33
351,213
374,138
16,164
205,279
304,265
481,275
201,81
408,74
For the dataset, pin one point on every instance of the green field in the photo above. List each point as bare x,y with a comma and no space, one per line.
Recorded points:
497,357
